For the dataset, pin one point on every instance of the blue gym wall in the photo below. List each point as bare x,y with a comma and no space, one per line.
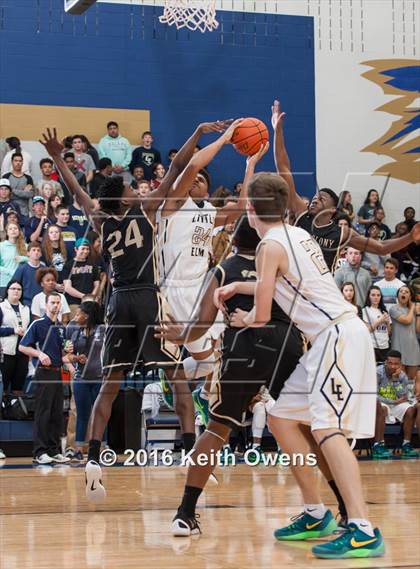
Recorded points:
121,57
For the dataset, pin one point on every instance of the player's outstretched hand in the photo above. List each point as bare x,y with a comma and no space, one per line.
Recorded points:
277,116
171,330
415,232
255,158
237,318
218,126
222,294
51,143
227,137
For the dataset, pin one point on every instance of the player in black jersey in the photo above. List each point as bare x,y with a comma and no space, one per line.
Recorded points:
126,224
250,358
318,220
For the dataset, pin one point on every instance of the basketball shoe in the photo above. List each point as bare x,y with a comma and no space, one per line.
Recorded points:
380,451
167,393
201,405
352,543
95,491
304,526
184,526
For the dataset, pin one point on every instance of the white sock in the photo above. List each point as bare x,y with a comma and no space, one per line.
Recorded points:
259,418
364,525
405,441
315,510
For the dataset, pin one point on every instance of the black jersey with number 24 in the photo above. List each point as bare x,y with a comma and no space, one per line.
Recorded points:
129,241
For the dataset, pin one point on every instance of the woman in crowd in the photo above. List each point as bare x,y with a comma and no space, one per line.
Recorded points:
371,261
159,172
47,277
378,322
14,321
53,203
349,293
405,325
54,252
12,252
366,213
46,191
87,340
345,206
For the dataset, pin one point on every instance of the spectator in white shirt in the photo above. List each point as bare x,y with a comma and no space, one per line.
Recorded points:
47,279
378,322
390,285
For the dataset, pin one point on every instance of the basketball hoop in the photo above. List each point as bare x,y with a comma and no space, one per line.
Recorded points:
191,14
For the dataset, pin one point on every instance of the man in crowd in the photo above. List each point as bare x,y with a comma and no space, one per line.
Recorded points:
78,219
83,162
395,404
6,204
353,272
116,148
44,343
80,276
80,177
410,217
25,273
21,184
67,231
138,176
384,230
104,171
47,167
36,225
146,156
390,285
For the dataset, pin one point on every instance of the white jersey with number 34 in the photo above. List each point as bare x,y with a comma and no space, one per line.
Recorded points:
307,292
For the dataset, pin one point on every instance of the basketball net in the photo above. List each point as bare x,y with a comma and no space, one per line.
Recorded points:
191,14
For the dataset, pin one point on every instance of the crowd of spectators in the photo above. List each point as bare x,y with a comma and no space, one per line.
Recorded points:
47,246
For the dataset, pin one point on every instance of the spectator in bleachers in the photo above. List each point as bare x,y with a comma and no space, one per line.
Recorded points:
393,395
143,188
354,273
378,322
47,279
21,184
405,326
171,155
54,252
14,146
47,167
366,213
14,321
53,203
80,276
371,261
36,225
237,189
159,172
25,274
349,293
80,177
83,162
146,156
384,230
44,343
87,339
78,219
88,148
116,148
104,171
68,232
345,206
138,176
407,264
12,252
390,285
219,196
6,204
410,217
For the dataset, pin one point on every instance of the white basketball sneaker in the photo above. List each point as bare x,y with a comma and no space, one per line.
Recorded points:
95,491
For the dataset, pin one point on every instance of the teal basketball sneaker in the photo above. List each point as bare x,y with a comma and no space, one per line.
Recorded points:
201,405
167,393
304,526
352,543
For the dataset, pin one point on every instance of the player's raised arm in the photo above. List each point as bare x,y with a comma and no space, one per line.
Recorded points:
296,204
382,247
232,211
54,148
178,165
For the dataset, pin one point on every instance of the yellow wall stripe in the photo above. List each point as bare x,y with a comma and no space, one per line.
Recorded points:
27,121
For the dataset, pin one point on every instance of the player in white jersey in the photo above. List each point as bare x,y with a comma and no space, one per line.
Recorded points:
185,229
334,386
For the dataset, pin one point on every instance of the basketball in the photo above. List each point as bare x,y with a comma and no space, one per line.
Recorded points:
250,136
